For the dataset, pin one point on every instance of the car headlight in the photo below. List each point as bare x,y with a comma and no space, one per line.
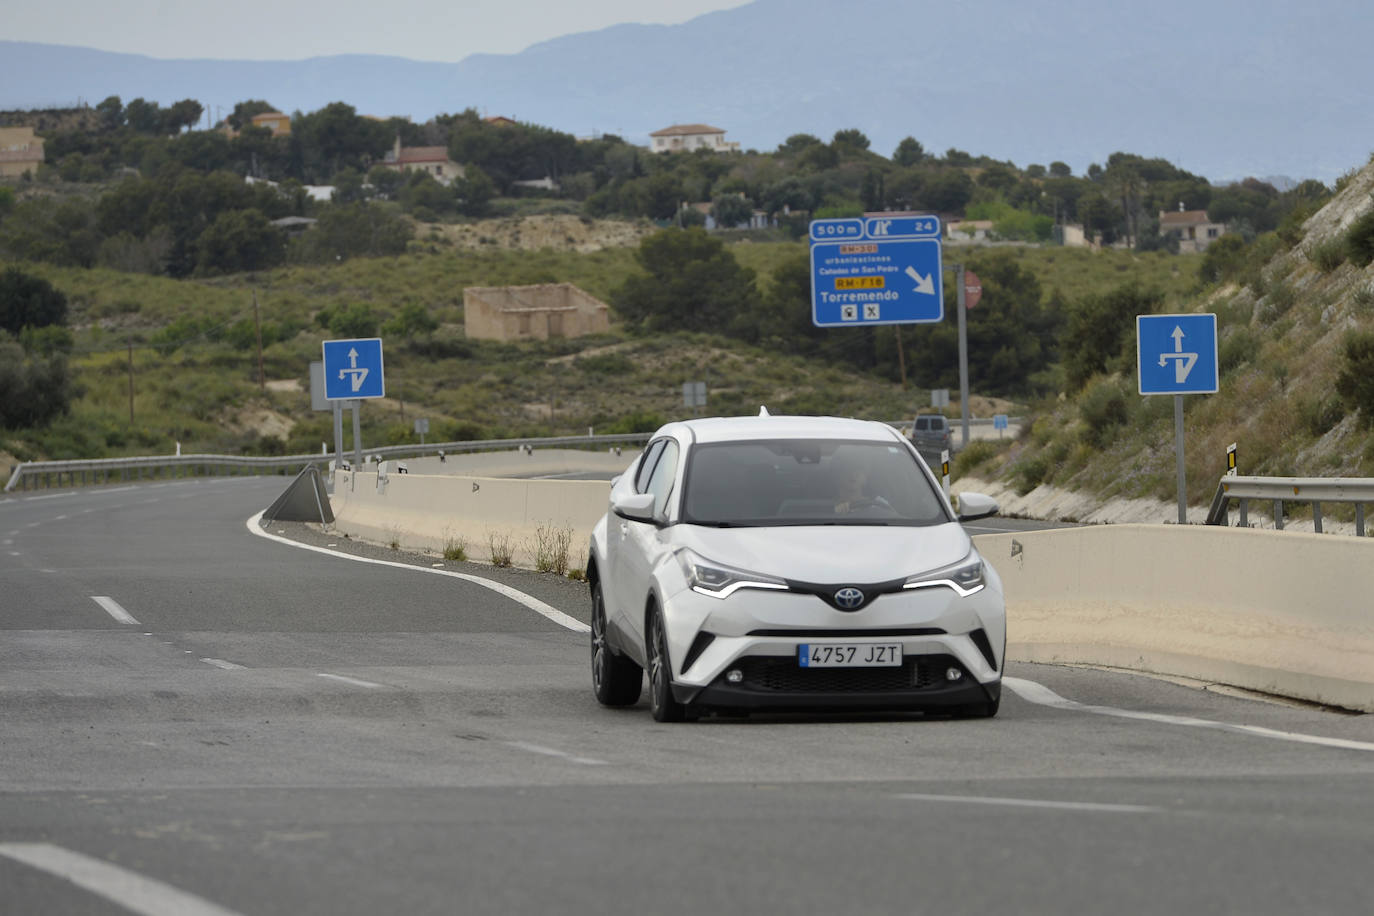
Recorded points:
966,577
707,577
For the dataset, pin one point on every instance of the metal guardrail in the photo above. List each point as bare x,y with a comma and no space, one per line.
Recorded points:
84,472
93,471
1282,490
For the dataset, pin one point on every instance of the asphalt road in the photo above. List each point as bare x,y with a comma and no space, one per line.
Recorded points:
286,731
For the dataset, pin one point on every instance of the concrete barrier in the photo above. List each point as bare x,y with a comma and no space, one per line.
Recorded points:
1279,612
476,501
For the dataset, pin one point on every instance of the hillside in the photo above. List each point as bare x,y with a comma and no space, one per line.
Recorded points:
1282,329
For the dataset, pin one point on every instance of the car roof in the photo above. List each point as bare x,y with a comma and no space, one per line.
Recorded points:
733,429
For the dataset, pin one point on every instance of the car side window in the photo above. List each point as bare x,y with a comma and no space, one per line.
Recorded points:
922,423
646,465
661,481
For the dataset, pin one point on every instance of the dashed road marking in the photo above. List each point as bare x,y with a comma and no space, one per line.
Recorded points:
129,889
112,608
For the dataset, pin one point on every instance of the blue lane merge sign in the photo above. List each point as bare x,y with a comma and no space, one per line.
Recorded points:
353,369
1177,354
876,270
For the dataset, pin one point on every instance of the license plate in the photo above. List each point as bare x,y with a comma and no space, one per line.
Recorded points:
850,655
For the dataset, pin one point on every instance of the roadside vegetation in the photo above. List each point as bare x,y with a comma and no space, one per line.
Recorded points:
138,272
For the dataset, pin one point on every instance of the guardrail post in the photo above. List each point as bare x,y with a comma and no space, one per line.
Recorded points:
1245,513
1359,520
1317,516
1278,515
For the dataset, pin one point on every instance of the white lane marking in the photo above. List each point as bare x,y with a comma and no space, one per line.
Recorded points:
112,608
221,663
1044,696
126,888
529,601
15,553
7,541
352,680
29,499
554,752
1032,803
60,518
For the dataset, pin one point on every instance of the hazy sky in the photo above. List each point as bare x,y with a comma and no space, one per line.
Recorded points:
433,30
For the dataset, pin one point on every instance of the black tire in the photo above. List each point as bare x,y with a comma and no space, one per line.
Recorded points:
661,702
616,680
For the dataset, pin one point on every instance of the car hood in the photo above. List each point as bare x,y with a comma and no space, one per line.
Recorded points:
830,553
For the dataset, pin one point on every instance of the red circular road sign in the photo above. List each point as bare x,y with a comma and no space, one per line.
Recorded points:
973,289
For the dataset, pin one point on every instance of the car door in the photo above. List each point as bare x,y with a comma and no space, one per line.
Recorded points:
639,547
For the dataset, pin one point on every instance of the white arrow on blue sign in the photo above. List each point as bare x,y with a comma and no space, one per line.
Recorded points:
876,270
1177,354
353,369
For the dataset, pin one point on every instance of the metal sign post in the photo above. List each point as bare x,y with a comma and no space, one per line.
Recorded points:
1177,354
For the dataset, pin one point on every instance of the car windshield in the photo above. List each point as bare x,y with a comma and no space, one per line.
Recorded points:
808,482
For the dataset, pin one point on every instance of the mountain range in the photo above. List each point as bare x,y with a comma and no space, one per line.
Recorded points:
1225,89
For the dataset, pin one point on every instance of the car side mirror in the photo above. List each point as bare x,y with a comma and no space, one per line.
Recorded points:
638,507
975,506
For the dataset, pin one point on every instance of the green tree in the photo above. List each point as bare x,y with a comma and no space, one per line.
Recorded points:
27,301
239,240
948,190
690,282
731,210
361,229
474,192
34,390
414,320
1100,330
909,152
182,115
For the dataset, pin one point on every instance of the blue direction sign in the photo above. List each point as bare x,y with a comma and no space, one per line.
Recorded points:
876,270
353,369
1177,354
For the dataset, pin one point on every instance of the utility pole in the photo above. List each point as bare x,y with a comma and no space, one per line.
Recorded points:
262,379
131,381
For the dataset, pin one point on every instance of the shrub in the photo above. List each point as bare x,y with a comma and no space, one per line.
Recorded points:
1355,383
455,548
1030,472
1328,255
1103,407
1237,348
501,548
1359,240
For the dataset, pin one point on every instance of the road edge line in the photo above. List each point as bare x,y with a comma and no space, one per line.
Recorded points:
539,607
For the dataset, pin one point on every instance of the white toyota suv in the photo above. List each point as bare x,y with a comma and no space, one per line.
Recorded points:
791,563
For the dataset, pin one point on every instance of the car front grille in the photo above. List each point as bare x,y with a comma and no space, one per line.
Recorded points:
776,674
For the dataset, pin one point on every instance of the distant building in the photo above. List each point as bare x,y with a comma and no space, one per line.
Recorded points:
968,230
532,312
1194,230
683,138
501,121
275,121
433,160
20,152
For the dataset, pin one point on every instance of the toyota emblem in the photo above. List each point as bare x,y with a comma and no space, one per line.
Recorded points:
849,598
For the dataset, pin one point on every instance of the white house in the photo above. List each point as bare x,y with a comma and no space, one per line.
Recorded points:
683,138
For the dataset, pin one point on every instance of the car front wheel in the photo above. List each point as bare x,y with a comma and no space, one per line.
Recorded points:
661,702
616,680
